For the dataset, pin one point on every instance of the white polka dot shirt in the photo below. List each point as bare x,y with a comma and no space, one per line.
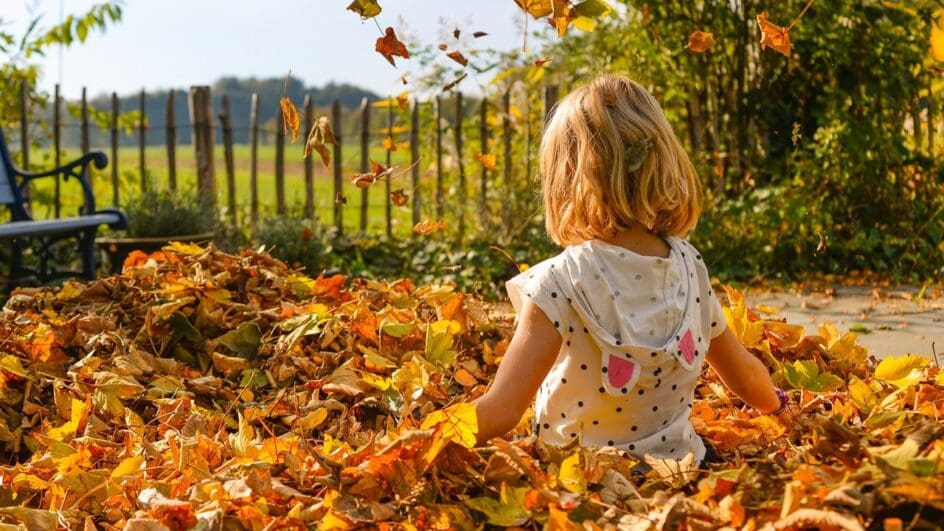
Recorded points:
634,333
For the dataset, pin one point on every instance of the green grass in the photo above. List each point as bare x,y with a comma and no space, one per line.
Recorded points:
324,195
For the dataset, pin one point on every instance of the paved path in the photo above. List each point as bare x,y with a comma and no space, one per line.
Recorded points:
897,321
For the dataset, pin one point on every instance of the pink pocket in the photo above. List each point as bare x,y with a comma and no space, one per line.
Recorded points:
620,371
687,346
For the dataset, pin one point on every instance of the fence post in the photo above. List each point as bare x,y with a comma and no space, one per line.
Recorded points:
365,157
309,167
506,163
24,136
254,159
931,129
388,210
226,121
84,124
142,140
550,98
338,163
171,142
483,139
440,199
201,113
415,159
57,145
463,193
279,163
114,148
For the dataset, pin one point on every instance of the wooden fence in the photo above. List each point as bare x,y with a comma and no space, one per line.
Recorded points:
205,128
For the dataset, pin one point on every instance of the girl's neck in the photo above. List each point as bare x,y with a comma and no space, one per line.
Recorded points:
640,240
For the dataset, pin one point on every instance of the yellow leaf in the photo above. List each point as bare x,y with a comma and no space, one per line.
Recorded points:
69,428
487,160
767,310
313,419
902,371
290,117
189,249
571,474
445,326
937,36
459,423
389,144
129,467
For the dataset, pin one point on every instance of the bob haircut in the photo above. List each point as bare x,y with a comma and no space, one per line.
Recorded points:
609,159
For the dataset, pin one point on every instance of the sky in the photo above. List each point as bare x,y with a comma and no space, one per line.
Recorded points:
178,43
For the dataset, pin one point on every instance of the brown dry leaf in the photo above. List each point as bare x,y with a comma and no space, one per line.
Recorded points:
487,160
700,41
451,85
456,33
377,172
774,36
340,199
426,227
541,62
318,137
443,47
399,197
389,46
403,100
457,56
478,34
290,117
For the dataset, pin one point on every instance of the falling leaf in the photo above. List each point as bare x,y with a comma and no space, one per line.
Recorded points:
389,46
377,172
389,144
365,8
487,160
399,197
541,62
455,82
456,33
457,56
536,8
318,137
443,47
426,227
478,34
340,199
700,41
403,100
774,36
290,117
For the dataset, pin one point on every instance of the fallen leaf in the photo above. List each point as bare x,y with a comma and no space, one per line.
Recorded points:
541,62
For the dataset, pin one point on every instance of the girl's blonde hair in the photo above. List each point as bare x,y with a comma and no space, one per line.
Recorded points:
609,158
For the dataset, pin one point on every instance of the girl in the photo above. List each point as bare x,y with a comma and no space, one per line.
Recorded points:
613,332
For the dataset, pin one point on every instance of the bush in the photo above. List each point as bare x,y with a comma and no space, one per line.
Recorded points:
154,213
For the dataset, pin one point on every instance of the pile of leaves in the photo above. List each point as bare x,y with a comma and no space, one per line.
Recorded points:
205,390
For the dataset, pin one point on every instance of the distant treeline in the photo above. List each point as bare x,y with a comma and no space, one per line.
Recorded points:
239,92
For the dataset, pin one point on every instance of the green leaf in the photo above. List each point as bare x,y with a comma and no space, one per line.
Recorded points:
592,8
509,510
903,371
183,328
396,329
81,30
253,378
245,340
805,374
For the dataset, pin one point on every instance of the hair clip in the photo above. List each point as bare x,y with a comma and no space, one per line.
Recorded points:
636,153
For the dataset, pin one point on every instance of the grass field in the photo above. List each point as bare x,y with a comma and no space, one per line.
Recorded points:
324,196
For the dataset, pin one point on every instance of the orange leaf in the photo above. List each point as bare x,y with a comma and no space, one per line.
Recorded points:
403,100
290,117
465,378
457,56
389,46
320,135
377,171
428,227
455,82
340,199
487,160
774,36
541,62
389,144
700,41
399,197
443,47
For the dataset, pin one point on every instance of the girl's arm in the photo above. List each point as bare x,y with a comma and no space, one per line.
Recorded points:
743,373
530,355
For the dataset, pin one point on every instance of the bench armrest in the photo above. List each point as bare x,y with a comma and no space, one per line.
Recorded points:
77,169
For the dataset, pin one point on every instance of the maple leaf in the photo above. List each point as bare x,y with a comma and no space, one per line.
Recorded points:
487,160
457,56
700,41
290,117
426,227
365,8
389,46
399,197
458,423
774,36
318,137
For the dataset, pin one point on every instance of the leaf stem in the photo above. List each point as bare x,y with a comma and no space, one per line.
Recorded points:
797,19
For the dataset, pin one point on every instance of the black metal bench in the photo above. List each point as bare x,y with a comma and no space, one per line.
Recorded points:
23,232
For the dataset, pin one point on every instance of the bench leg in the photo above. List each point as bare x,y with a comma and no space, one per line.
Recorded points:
87,250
